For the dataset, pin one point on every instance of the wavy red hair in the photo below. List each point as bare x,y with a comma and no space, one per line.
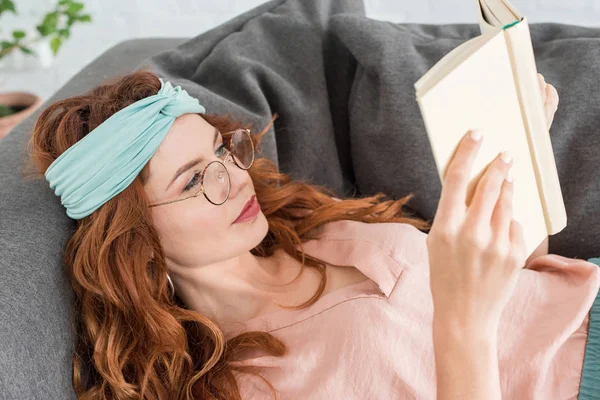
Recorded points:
135,340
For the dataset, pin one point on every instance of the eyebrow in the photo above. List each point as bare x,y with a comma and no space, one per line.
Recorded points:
191,164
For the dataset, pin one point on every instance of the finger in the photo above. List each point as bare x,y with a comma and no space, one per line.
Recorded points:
502,215
549,113
542,83
451,206
552,95
551,104
488,190
516,236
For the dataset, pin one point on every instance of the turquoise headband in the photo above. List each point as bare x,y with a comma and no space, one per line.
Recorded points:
107,160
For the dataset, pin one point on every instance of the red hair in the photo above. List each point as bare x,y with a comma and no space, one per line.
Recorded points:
134,339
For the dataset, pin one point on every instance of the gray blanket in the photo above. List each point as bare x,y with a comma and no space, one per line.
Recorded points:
342,86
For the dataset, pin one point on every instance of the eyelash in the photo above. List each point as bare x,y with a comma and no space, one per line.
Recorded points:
194,181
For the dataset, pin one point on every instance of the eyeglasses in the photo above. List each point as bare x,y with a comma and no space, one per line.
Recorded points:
215,182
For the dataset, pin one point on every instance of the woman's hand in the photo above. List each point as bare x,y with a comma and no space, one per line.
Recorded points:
550,97
475,254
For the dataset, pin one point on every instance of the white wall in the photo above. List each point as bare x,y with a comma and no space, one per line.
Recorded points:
118,20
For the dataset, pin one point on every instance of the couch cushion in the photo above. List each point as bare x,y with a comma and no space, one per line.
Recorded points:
36,334
342,85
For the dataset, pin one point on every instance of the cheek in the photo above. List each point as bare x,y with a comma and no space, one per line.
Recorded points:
196,237
182,226
190,236
204,222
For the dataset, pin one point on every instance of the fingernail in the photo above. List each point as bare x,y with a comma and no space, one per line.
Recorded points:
475,135
506,157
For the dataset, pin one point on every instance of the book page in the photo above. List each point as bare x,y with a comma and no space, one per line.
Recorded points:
481,93
494,14
499,12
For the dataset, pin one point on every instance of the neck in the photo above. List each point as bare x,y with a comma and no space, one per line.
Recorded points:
238,289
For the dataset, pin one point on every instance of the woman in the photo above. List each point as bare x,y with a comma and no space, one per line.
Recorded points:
188,269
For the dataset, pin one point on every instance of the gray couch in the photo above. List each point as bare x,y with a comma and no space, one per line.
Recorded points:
342,85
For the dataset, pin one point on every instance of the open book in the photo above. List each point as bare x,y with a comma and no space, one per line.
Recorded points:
490,83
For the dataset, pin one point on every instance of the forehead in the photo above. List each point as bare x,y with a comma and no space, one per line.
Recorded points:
188,135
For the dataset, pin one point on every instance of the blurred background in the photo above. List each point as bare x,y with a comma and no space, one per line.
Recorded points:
96,25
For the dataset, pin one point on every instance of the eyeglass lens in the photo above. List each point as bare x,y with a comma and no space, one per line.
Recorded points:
242,148
216,181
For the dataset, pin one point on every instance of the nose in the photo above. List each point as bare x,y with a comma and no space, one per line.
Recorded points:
239,178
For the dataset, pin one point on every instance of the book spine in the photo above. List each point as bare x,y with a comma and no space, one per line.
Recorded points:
518,40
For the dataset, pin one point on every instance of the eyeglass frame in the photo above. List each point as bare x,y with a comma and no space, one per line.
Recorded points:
228,156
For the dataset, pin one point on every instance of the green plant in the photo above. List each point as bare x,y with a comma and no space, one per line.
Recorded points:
5,111
56,25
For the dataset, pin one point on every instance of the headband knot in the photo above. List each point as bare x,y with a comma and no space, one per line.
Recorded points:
107,160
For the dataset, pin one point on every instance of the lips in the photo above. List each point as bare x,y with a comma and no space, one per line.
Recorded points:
246,206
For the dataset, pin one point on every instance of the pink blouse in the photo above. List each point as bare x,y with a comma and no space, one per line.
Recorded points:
373,340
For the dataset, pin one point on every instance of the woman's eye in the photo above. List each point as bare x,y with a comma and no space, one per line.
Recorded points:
196,178
193,182
220,152
221,148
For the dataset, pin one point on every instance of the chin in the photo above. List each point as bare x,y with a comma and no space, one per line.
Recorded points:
262,225
254,231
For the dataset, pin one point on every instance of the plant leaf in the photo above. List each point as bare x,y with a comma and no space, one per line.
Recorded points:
18,34
48,25
84,18
74,8
6,44
55,44
26,50
7,5
64,33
